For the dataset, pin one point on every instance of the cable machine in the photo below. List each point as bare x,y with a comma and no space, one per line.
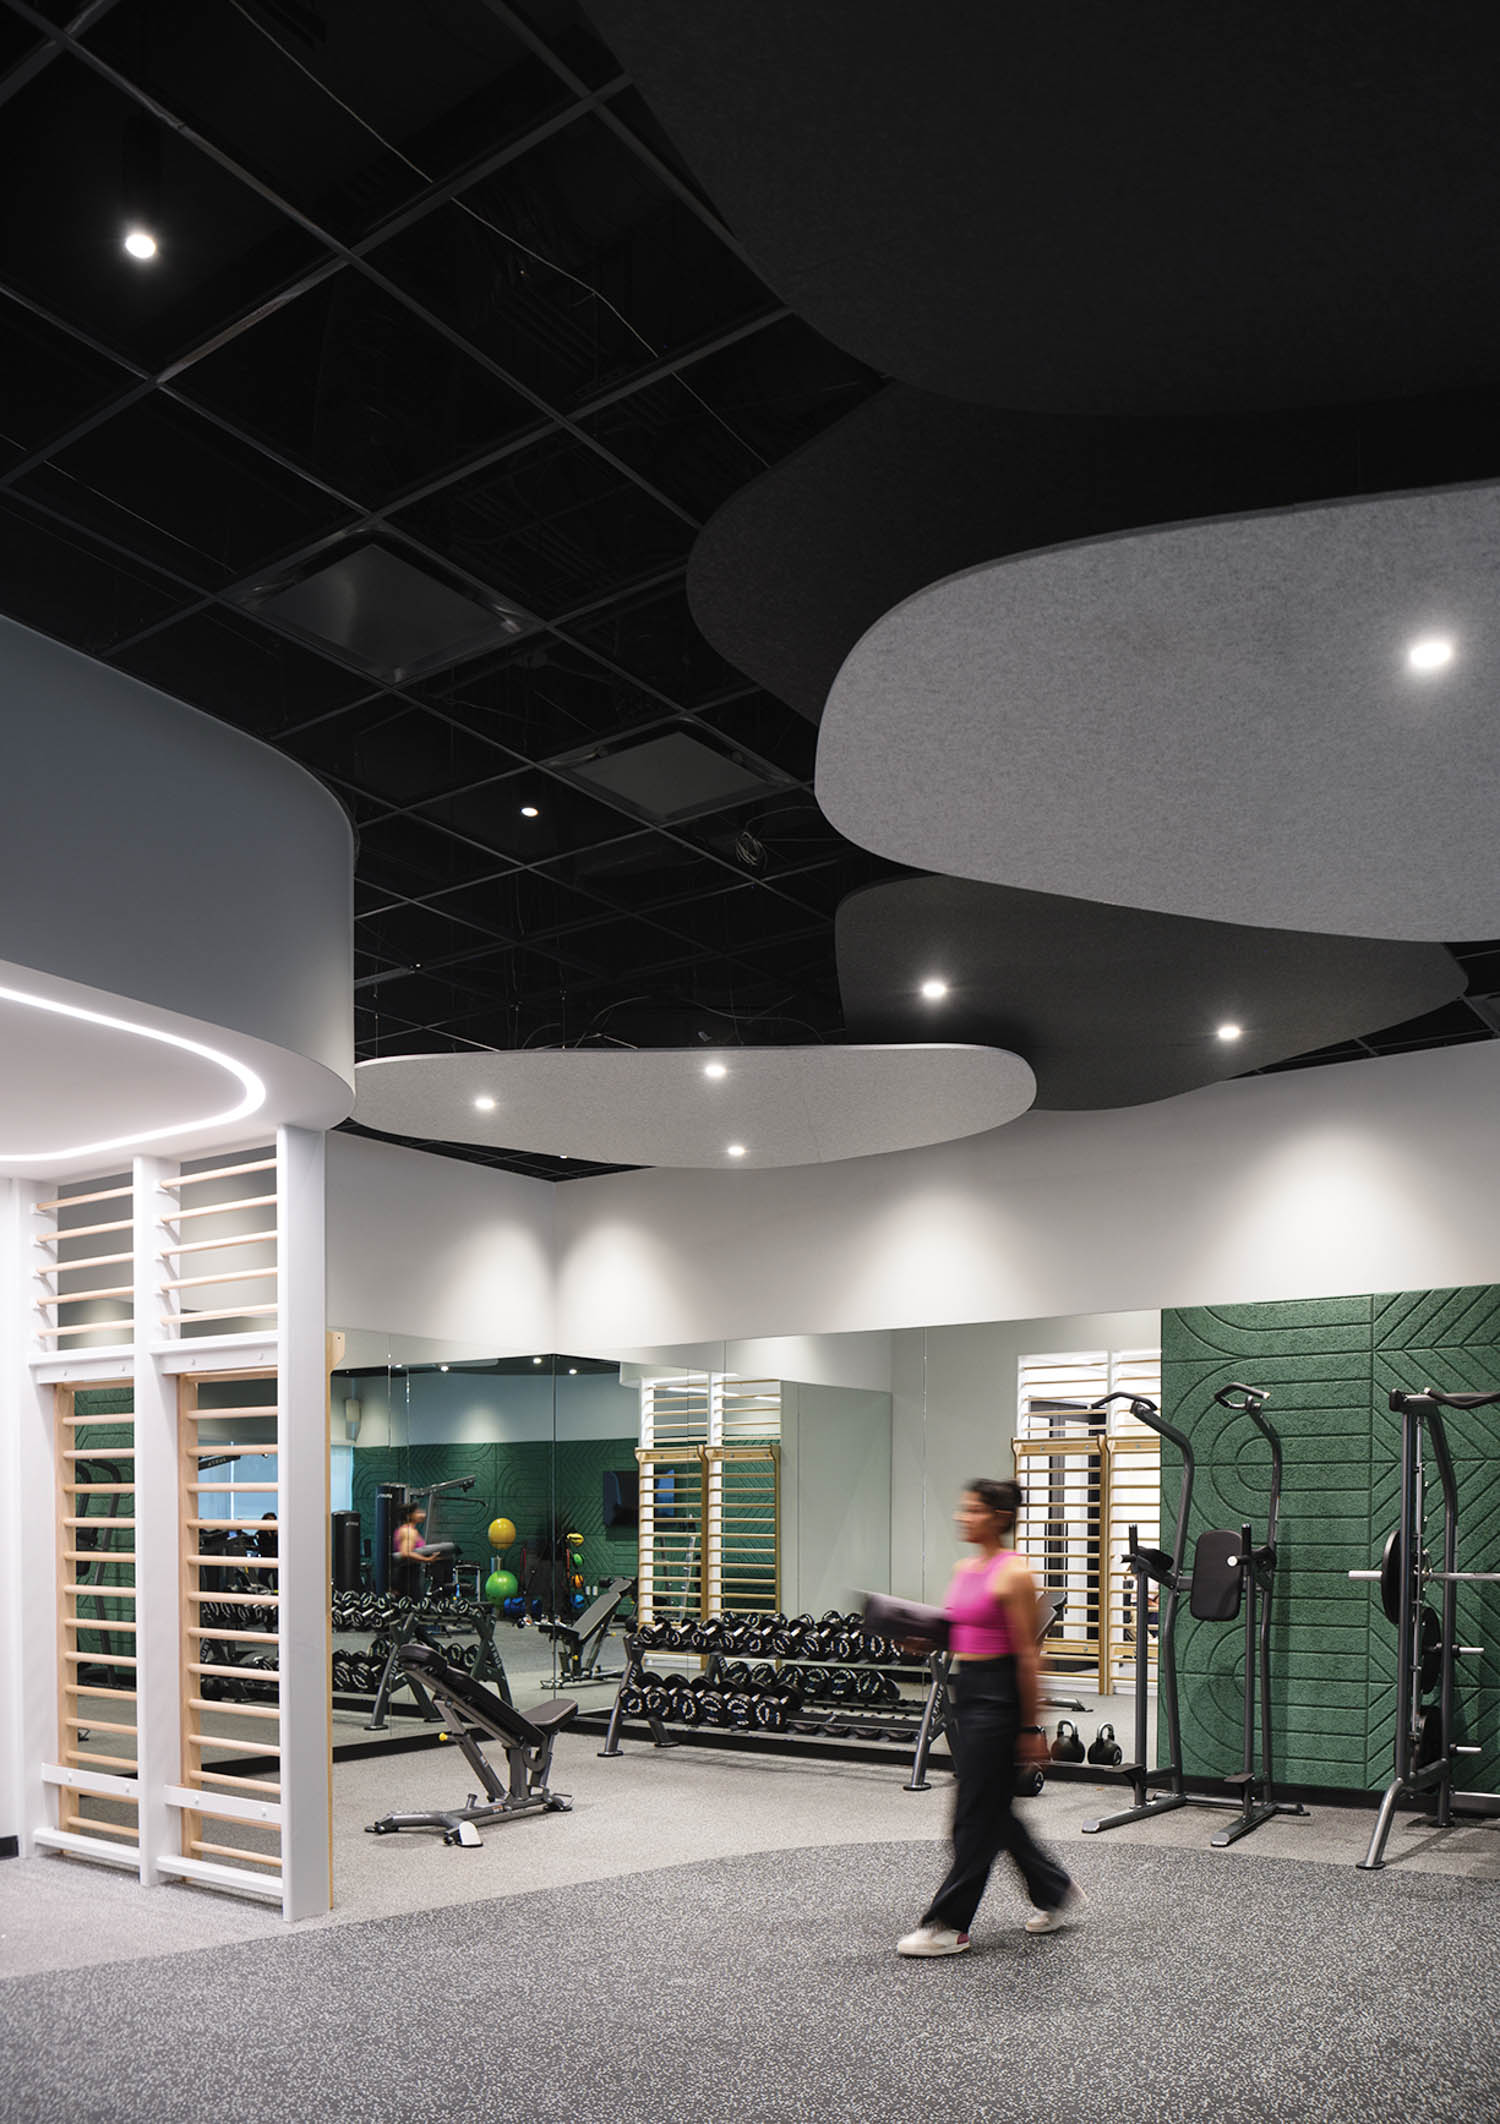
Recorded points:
1231,1576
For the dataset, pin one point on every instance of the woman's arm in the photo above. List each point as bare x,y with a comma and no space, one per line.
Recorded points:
1015,1589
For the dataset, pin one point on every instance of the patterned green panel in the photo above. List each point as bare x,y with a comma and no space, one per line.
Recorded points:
582,1464
105,1402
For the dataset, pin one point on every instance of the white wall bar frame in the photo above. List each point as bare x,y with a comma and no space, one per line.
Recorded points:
211,1274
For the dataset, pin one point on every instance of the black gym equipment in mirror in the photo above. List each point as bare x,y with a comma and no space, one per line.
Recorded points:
1427,1649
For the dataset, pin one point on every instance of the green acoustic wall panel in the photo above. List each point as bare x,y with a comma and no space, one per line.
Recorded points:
1329,1364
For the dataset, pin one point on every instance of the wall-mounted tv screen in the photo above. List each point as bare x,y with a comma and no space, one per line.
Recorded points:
622,1497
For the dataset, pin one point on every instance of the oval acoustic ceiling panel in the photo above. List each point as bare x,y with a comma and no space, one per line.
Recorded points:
1112,1007
1100,208
1284,720
724,1109
789,573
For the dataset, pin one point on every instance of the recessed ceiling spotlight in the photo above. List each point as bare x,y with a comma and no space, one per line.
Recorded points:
715,1069
736,1150
485,1103
536,1360
572,1371
933,991
529,811
442,1368
1230,1032
141,244
1431,653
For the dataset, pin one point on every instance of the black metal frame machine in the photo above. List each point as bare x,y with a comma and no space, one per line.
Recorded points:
1231,1575
474,1713
581,1640
1426,1642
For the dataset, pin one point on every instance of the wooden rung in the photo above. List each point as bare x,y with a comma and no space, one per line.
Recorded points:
220,1209
246,1784
90,1327
228,1312
243,1488
222,1172
209,1246
98,1659
104,1451
242,1600
189,1283
99,1519
201,1666
88,1824
233,1740
213,1522
100,1489
266,1408
114,1556
88,1760
236,1637
107,1194
202,1703
229,1563
98,1725
59,1268
118,1290
233,1851
99,1452
97,1622
84,1231
123,1696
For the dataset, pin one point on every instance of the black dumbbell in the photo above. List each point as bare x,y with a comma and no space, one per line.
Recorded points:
1104,1748
1068,1746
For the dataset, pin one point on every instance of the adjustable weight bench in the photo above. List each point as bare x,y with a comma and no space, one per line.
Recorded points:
474,1714
581,1640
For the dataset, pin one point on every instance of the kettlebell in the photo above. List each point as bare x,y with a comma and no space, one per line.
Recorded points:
1068,1747
1104,1748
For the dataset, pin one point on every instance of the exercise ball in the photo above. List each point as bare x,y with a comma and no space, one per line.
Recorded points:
502,1533
500,1587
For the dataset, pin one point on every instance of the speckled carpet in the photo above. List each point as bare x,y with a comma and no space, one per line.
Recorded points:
766,1988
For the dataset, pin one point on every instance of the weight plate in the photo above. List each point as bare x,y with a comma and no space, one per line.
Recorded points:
1390,1577
1430,1737
1430,1649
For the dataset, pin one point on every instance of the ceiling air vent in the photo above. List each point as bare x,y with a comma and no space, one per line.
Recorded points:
672,775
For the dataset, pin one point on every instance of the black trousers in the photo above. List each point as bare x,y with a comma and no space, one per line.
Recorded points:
986,1710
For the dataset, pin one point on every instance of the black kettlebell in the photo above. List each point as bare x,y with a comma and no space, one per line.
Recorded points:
1104,1748
1068,1747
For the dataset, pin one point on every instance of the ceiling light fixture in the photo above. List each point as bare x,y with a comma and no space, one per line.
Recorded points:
572,1371
736,1150
442,1368
933,991
485,1103
536,1360
529,811
1230,1032
1430,654
715,1069
141,245
254,1089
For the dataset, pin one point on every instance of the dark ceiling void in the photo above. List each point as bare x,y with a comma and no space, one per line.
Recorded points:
1112,1007
1094,210
909,488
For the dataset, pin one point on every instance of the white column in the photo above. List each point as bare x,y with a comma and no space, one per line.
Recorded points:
302,1537
29,1561
157,1571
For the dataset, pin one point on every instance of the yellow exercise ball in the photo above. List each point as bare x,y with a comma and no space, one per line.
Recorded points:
502,1533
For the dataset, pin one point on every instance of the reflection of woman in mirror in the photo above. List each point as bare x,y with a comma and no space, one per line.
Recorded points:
408,1547
991,1606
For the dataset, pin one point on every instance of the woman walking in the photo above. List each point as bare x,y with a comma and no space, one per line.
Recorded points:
991,1609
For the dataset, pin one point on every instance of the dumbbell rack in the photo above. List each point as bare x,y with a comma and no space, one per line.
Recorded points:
400,1624
812,1722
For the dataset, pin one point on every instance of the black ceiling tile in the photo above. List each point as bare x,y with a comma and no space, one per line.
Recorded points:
49,381
511,974
1345,1051
742,919
564,30
1382,1044
63,582
553,527
73,152
769,838
407,855
423,997
824,884
521,904
624,946
676,440
168,484
543,698
653,637
573,267
768,728
643,871
234,669
494,814
1481,963
347,382
394,752
18,40
416,934
781,386
1453,1021
350,125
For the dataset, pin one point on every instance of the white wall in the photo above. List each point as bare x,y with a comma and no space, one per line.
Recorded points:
469,1408
428,1246
1374,1175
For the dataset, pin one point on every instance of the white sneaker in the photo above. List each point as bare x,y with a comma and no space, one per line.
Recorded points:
1068,1912
934,1939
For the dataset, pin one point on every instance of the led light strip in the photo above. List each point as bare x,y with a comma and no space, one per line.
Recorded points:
254,1089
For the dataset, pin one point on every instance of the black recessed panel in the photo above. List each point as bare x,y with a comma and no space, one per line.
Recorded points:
72,150
573,267
673,775
395,753
462,87
674,438
1110,1006
1450,1024
553,527
495,815
66,584
347,382
1078,208
167,484
384,610
746,918
912,488
543,698
769,729
237,670
521,904
412,935
611,947
48,382
414,858
654,639
643,871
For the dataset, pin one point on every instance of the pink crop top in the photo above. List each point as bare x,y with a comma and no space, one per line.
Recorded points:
980,1626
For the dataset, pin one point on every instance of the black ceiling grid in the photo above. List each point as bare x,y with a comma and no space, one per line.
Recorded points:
394,458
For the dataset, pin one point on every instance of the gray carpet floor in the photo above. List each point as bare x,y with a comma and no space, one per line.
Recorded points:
765,1988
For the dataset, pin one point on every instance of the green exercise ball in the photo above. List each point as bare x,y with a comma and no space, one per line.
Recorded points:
502,1533
501,1586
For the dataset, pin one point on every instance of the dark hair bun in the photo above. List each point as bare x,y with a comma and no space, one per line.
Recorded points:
1000,1494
